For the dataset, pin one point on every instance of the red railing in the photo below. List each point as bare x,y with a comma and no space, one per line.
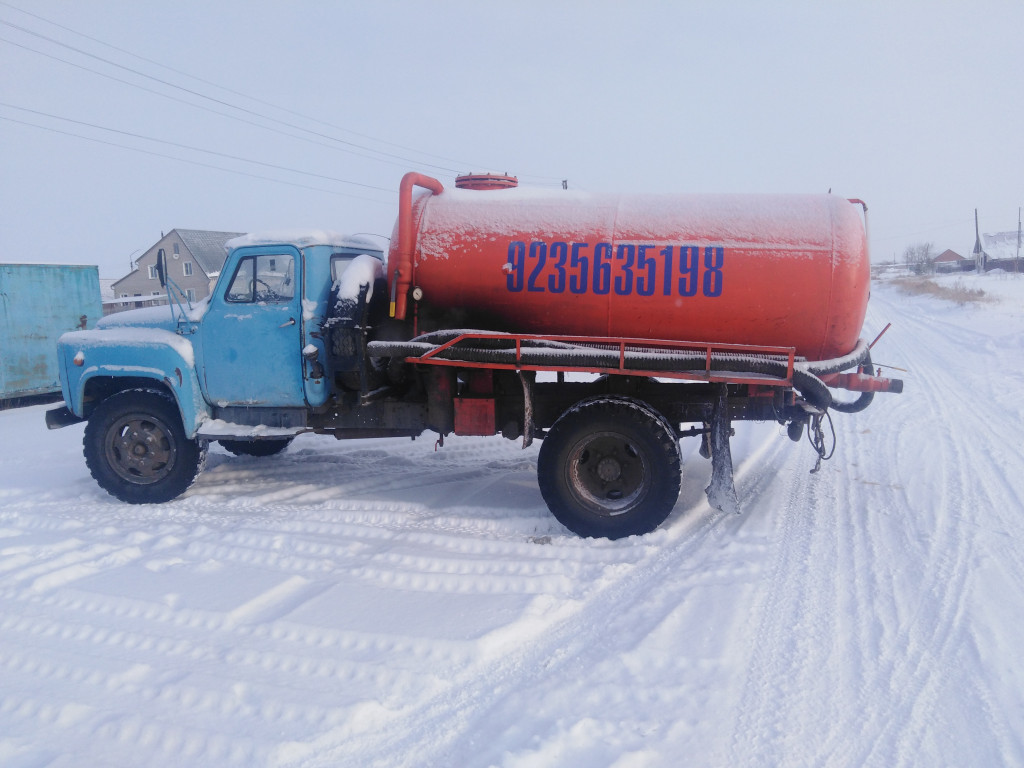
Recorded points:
562,363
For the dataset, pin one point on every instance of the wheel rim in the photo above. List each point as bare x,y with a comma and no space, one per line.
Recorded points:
140,448
608,473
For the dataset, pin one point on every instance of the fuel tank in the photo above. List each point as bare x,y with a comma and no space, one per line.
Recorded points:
772,270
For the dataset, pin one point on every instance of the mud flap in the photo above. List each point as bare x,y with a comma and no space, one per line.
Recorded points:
527,382
722,490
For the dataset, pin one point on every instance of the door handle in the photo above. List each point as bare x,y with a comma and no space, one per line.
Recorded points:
291,321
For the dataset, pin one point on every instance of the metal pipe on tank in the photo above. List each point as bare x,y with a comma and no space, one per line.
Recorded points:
401,273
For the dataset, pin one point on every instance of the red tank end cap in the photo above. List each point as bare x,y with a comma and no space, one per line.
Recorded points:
484,181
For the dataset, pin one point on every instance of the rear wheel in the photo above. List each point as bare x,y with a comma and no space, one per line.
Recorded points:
610,468
266,447
136,448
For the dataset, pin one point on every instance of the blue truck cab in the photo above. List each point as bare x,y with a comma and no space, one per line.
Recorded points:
247,366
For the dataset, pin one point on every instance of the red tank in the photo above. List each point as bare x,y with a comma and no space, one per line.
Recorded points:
772,270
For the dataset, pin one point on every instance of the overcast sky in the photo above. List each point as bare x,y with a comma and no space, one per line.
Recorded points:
285,115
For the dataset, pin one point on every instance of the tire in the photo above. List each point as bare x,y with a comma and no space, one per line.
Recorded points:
266,447
136,448
610,468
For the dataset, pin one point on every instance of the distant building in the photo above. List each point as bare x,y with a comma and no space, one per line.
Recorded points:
107,294
1001,249
194,260
951,261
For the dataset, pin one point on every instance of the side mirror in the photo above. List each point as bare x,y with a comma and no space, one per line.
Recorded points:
161,267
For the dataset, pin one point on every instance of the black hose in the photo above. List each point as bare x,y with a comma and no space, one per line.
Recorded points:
807,384
500,341
826,367
865,398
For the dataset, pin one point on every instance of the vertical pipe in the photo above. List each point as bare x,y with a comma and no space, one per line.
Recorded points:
402,272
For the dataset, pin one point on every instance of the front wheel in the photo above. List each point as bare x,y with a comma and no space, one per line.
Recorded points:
610,468
136,448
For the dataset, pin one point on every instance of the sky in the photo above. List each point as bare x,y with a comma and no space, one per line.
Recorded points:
123,120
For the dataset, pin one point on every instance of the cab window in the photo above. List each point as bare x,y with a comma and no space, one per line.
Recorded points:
338,263
267,278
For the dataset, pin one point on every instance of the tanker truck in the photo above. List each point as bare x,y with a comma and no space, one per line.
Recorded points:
607,327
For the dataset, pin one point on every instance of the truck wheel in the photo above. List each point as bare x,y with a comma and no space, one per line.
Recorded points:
610,468
136,449
266,447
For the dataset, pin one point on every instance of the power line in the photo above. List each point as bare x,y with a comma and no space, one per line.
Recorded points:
935,228
193,162
213,99
194,149
250,97
201,107
256,99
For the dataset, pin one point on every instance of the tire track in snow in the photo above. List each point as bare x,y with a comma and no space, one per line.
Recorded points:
304,475
443,553
771,683
79,656
930,634
621,614
927,639
926,635
893,652
439,731
970,489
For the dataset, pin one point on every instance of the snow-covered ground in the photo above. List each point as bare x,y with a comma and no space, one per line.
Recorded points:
377,603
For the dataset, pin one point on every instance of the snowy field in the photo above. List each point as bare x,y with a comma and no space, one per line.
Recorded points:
377,603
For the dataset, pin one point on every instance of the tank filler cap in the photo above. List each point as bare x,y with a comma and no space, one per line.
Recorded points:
485,181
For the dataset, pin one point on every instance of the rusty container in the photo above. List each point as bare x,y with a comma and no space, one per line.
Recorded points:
772,270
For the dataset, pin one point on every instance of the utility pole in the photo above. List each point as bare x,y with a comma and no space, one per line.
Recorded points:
979,251
1016,261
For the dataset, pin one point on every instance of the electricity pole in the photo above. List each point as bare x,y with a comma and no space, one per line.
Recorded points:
1016,261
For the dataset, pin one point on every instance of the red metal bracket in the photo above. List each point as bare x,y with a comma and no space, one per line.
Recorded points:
621,345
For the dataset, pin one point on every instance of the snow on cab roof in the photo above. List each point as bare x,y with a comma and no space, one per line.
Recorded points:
303,239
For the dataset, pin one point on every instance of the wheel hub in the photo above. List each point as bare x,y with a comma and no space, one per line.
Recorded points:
609,469
140,449
608,474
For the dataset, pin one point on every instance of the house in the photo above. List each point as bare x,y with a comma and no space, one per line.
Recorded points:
951,261
194,259
1002,250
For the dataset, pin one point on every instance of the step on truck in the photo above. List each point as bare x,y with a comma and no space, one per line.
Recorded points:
607,327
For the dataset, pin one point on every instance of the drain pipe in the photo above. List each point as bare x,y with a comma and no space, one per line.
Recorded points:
402,272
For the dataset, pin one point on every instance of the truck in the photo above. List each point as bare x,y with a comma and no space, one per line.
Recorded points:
38,303
607,327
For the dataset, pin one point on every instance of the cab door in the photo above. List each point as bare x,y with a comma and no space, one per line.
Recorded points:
251,332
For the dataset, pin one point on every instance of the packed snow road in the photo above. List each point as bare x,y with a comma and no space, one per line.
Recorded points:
380,603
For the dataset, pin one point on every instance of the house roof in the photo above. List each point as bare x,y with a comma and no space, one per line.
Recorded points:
207,247
948,255
1000,245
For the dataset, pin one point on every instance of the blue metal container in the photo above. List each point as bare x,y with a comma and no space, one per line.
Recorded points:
38,303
